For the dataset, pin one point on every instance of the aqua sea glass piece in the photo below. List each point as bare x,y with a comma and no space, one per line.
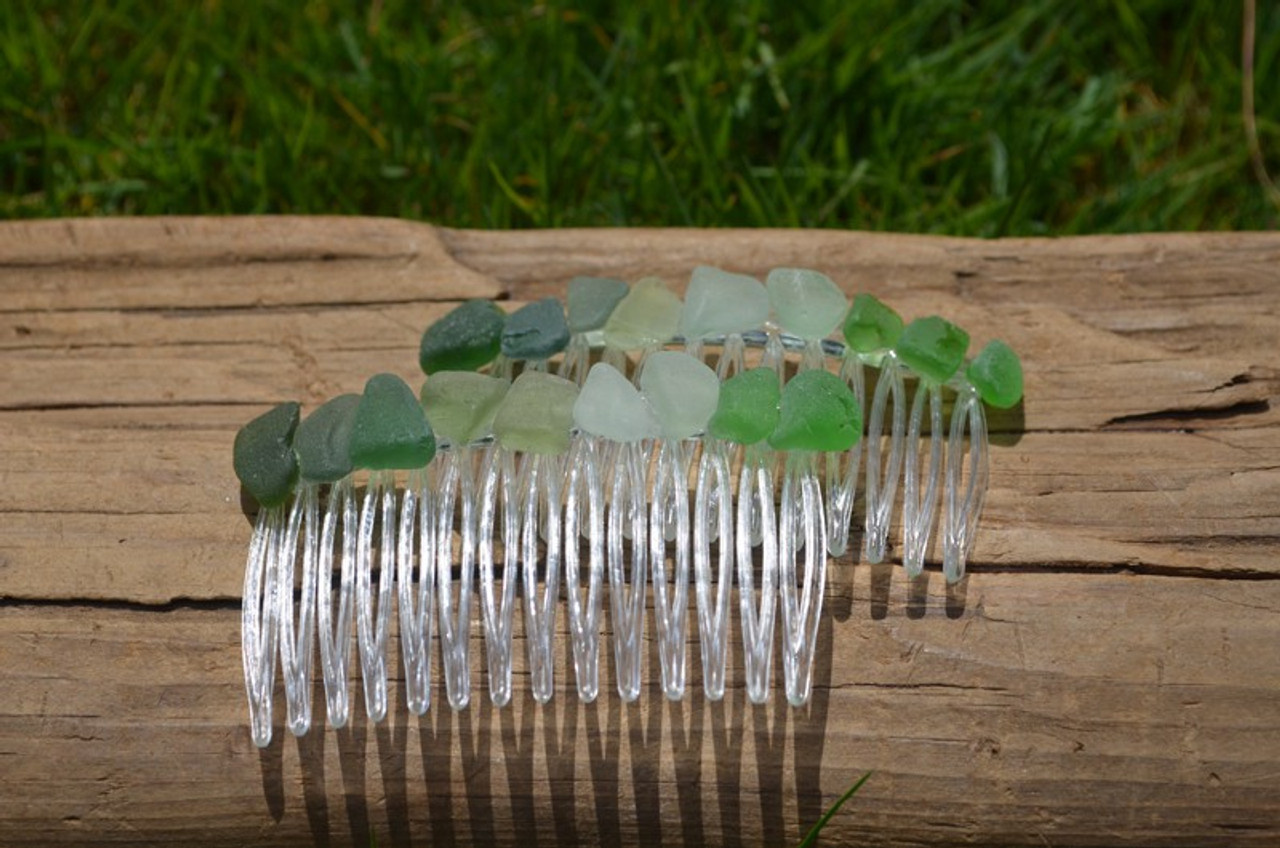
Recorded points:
323,440
463,340
996,372
648,315
806,303
592,301
390,429
537,414
719,302
535,331
932,347
263,455
747,411
611,407
460,405
817,412
871,325
682,391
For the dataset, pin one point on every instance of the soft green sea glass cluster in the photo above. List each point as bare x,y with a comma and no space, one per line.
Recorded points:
674,395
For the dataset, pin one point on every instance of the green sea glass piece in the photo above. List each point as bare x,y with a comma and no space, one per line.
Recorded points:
592,301
263,455
719,302
682,391
996,373
390,430
535,331
870,325
537,414
465,339
748,408
611,407
648,315
806,303
817,412
933,348
323,440
460,405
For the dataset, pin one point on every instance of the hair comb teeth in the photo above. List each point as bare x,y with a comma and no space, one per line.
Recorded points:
631,440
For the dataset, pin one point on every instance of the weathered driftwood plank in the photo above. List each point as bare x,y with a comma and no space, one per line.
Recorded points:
1109,672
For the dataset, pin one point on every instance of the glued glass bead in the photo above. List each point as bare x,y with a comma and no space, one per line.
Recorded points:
718,302
390,430
682,391
592,301
996,373
648,315
460,405
817,412
535,331
871,325
933,348
465,339
748,407
323,440
537,414
611,407
806,303
263,455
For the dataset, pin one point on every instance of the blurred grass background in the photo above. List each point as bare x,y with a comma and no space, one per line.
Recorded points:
936,116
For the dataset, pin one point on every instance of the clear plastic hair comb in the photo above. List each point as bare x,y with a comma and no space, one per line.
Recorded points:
634,448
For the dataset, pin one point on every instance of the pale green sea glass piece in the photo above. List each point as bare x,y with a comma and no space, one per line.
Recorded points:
933,348
996,373
323,440
611,407
871,326
719,302
806,303
460,405
592,300
263,455
747,410
648,315
537,414
390,429
682,391
817,412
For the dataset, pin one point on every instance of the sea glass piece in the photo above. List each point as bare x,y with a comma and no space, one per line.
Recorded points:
682,391
719,302
460,405
263,455
817,412
648,315
871,325
390,430
465,339
535,331
323,440
996,373
611,407
748,408
933,348
806,303
537,414
592,301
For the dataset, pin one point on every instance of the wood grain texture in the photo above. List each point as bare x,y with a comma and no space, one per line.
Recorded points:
1109,673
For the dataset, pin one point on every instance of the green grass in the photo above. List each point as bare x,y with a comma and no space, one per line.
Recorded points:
932,116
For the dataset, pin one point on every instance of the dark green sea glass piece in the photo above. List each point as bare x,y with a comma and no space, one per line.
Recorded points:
871,325
996,373
933,348
465,339
591,301
390,430
817,412
263,455
535,331
748,407
323,440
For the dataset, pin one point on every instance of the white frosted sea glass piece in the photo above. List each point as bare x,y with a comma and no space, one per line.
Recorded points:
682,391
609,406
806,303
719,302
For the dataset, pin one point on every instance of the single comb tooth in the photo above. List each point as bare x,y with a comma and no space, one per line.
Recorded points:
960,518
377,521
335,635
259,621
670,497
296,638
538,489
415,585
842,468
627,509
712,524
584,492
800,515
498,486
755,514
920,504
883,474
